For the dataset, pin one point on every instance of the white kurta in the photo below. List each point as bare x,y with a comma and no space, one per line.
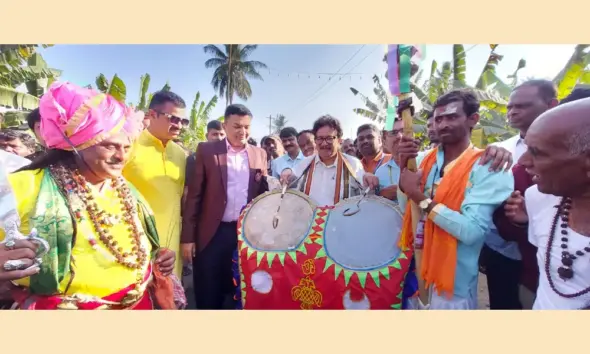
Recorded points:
541,210
323,183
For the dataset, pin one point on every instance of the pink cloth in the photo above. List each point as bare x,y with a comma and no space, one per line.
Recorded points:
63,112
238,179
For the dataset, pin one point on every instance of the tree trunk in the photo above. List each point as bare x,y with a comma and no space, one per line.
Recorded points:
229,90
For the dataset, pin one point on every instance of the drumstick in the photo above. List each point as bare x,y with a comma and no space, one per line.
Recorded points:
275,219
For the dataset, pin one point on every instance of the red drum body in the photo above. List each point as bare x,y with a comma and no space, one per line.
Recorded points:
321,258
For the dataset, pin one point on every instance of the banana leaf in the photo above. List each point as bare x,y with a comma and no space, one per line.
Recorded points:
430,84
143,89
19,100
370,104
102,83
572,72
117,89
366,114
194,117
478,138
459,64
491,101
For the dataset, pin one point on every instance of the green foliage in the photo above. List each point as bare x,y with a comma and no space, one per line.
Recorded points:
574,72
21,64
199,117
490,90
143,89
278,123
116,87
233,70
14,119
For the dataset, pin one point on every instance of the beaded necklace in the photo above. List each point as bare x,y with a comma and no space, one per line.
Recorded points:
565,271
80,197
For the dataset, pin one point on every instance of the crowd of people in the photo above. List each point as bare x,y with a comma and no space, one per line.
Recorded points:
128,213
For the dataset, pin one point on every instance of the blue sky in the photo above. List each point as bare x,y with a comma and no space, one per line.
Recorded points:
292,86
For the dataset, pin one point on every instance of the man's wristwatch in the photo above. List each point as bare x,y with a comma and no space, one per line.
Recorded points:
424,204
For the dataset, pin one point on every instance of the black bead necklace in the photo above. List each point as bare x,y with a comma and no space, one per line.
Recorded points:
565,271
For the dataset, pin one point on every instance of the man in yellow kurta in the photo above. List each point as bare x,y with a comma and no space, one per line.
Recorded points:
104,251
157,167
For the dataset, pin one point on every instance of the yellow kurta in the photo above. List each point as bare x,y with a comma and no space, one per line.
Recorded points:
95,274
157,171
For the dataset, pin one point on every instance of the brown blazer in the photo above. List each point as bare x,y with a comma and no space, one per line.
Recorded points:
207,197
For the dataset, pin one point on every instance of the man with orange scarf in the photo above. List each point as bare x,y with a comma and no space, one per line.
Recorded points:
457,197
104,247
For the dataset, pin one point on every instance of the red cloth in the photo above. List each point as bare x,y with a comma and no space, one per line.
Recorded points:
306,283
510,232
34,302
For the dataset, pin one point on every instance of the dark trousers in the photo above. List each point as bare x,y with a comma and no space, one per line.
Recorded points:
503,275
212,270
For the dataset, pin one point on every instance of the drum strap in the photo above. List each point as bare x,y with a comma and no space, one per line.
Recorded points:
342,174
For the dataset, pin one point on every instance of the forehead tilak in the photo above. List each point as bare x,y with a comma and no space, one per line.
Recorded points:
451,108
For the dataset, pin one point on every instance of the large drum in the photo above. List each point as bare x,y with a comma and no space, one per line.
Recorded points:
341,257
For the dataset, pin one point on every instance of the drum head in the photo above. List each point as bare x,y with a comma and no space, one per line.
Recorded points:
295,219
367,239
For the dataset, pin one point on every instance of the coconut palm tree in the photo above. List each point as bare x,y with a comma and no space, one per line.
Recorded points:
233,69
278,123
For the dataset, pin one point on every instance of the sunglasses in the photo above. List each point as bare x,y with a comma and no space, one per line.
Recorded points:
174,119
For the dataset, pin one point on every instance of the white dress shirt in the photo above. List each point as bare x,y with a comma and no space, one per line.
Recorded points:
323,182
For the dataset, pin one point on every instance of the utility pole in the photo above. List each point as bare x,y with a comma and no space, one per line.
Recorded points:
269,124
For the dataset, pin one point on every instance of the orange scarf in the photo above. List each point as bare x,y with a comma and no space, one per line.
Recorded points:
439,258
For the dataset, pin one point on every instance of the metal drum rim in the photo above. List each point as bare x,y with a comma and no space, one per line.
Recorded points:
371,197
314,209
353,200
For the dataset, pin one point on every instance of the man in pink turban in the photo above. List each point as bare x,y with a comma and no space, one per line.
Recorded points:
104,246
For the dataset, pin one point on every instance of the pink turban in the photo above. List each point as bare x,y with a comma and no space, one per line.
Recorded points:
84,116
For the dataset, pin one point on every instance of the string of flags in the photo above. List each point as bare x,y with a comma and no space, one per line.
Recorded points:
320,76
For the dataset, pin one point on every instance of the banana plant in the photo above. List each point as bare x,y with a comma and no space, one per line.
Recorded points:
10,97
144,85
20,64
374,111
116,87
574,72
197,130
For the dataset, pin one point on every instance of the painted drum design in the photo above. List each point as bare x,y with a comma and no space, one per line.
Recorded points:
319,258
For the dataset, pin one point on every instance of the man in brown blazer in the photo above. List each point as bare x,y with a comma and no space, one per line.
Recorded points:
228,174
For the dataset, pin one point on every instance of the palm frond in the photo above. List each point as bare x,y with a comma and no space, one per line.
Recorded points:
247,50
215,51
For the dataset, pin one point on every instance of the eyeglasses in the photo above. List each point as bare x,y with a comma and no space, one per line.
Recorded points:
325,139
394,132
174,119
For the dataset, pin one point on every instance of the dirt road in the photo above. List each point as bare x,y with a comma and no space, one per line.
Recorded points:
483,300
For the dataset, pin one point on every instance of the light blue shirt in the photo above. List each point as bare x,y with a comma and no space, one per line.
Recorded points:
280,163
388,174
485,192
